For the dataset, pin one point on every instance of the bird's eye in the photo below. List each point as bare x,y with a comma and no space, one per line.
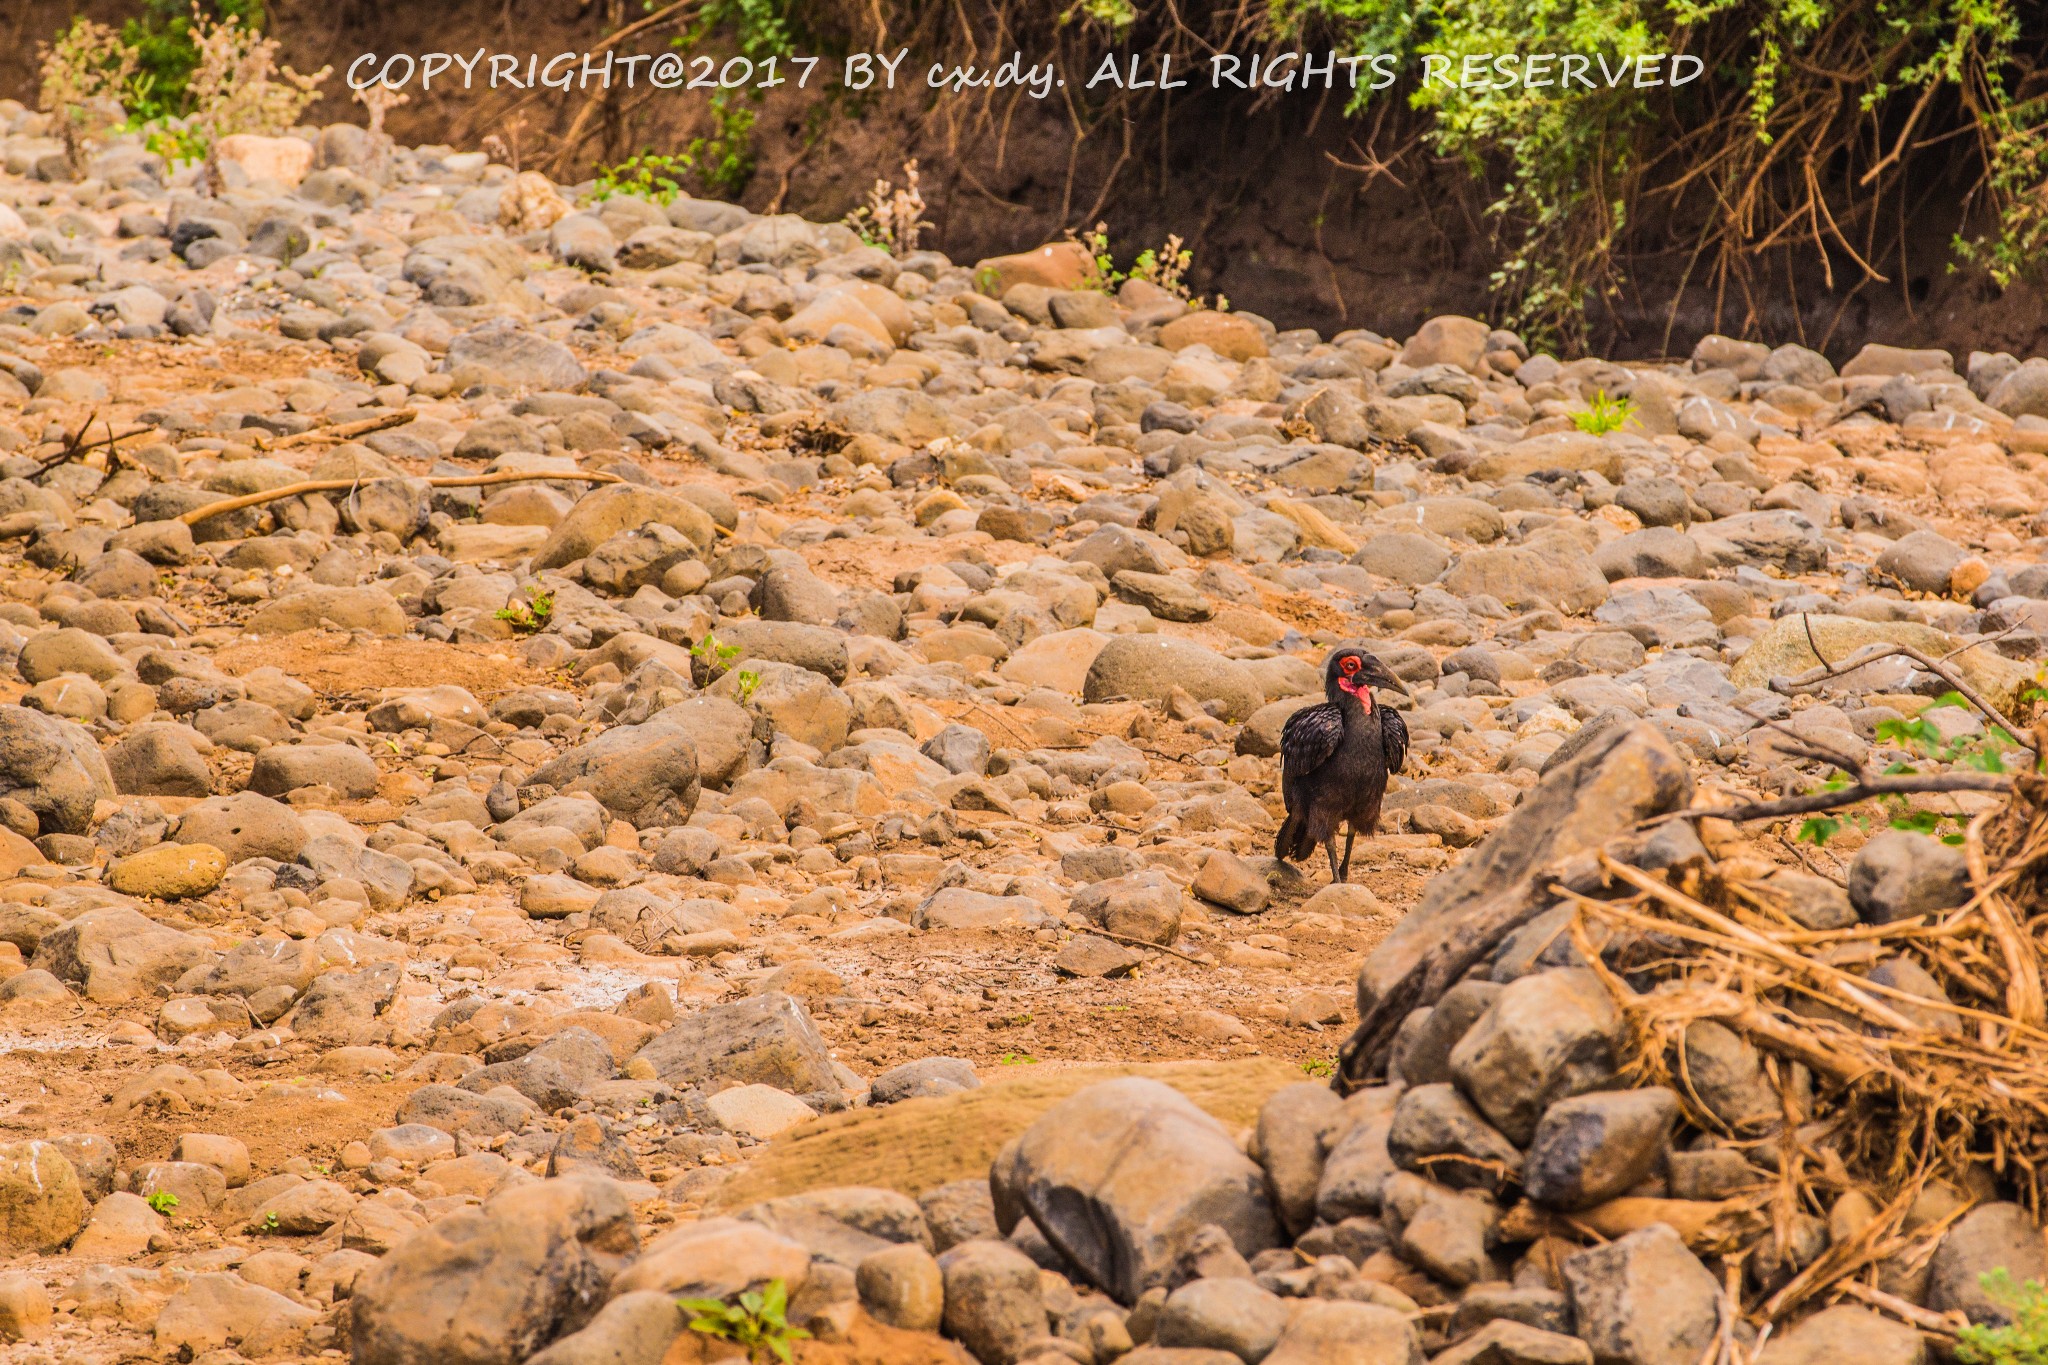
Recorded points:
1350,665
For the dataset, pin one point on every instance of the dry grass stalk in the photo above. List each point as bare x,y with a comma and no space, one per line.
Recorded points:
1898,1092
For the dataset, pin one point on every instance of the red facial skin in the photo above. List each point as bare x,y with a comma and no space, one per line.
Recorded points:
1349,682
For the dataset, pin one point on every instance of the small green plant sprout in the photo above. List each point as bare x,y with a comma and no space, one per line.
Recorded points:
1983,751
893,217
1103,275
1319,1066
2024,1340
1016,1059
270,1221
163,1201
1166,267
653,176
531,616
715,657
748,680
758,1321
1604,414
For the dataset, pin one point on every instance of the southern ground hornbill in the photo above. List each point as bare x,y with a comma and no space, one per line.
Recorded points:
1335,758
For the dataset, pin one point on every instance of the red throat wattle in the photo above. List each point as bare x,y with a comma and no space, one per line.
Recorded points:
1359,689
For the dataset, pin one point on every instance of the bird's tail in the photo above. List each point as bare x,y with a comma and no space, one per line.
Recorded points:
1292,843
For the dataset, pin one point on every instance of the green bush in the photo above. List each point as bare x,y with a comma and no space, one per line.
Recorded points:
2023,1341
1785,137
167,53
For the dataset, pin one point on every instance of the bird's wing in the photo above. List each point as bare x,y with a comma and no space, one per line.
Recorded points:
1393,737
1308,739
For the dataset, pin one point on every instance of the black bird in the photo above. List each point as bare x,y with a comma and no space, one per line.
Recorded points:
1335,759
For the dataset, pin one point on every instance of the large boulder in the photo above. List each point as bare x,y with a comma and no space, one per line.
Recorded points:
766,1040
492,1285
115,954
1119,1176
245,825
1644,1299
1545,1038
314,608
41,1204
1619,778
646,774
615,509
1525,577
1149,667
53,767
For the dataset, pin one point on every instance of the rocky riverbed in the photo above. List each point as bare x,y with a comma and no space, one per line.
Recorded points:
561,754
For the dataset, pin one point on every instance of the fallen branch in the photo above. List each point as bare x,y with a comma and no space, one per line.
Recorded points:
1941,1324
347,431
293,490
1940,668
1864,790
1146,943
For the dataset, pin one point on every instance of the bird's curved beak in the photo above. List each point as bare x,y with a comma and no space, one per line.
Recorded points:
1380,676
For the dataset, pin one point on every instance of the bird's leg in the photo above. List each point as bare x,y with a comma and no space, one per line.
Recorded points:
1330,847
1350,833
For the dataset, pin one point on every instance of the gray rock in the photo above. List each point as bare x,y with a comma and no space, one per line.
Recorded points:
1591,1148
1644,1299
1118,1176
1987,1238
633,1329
1899,875
1922,561
1437,1133
53,768
284,768
959,1211
1332,1332
820,649
1142,905
1845,1333
1089,955
1503,1342
1622,777
115,954
1655,501
1356,1170
458,1111
1422,1048
1296,1126
1224,1315
1526,577
1403,556
646,774
1149,667
993,1302
492,1285
1725,1072
766,1040
502,354
245,825
958,749
1659,552
1545,1037
1449,1233
158,760
928,1076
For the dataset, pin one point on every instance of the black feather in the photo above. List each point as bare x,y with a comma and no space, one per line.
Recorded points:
1393,737
1307,741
